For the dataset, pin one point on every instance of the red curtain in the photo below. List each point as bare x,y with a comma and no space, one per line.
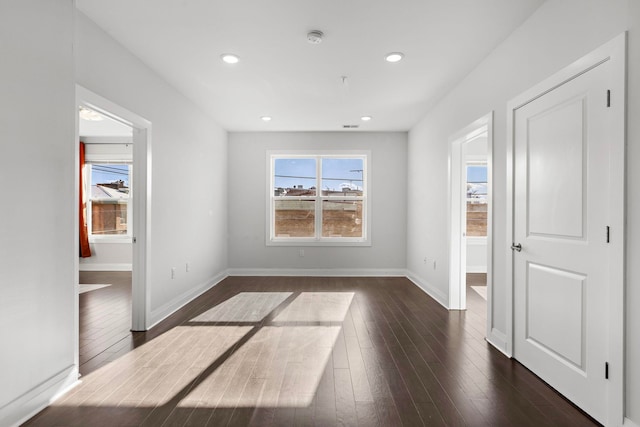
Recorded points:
85,249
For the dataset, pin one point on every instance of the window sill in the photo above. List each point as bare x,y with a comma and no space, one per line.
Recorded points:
476,240
318,243
110,239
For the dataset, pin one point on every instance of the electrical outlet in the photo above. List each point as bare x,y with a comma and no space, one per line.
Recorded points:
173,272
186,267
301,252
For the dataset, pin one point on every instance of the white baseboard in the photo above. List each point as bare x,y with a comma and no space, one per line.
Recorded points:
319,272
429,289
166,310
104,267
499,341
477,269
35,400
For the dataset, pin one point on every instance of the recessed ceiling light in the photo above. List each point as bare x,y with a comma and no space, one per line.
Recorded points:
90,115
394,57
266,118
230,58
365,118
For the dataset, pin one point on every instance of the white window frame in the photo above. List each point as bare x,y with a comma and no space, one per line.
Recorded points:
318,240
108,238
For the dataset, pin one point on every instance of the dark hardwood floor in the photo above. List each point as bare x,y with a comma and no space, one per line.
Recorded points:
278,351
105,319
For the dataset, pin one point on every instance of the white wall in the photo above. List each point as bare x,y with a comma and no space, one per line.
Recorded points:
247,203
476,254
37,168
557,34
108,256
189,172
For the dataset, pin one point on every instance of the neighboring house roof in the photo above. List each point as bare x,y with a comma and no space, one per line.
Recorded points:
102,192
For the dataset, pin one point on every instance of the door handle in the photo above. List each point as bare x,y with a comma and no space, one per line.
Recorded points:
517,247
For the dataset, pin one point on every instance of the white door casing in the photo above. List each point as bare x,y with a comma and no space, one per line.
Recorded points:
457,212
568,193
141,221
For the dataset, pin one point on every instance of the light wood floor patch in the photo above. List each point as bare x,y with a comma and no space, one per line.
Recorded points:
244,307
317,307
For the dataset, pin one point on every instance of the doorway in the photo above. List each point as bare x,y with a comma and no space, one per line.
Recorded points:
470,213
139,209
105,267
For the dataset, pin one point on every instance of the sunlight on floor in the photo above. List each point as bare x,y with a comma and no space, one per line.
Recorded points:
317,307
277,367
481,290
151,374
88,288
244,307
267,363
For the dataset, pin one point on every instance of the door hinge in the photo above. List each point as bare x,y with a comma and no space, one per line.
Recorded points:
608,98
608,233
135,240
606,370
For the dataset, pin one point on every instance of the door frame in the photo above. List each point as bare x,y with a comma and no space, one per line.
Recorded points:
140,303
457,294
613,52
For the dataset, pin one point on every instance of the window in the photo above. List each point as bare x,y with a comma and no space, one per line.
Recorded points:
476,199
319,199
109,199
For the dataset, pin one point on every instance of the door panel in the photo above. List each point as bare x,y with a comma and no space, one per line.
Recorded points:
561,284
556,148
556,297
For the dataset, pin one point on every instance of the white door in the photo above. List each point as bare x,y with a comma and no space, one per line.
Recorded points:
561,214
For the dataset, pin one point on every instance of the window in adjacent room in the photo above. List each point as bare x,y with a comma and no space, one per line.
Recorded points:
476,199
109,204
318,199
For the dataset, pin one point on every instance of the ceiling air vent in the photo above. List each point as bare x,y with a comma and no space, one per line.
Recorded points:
350,126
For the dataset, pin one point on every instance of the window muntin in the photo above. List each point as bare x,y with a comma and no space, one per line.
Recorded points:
476,199
300,213
109,199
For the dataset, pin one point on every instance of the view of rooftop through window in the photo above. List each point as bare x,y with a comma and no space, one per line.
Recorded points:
477,181
318,197
109,199
338,175
476,200
109,173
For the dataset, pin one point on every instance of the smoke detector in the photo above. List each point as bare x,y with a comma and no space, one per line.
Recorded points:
315,37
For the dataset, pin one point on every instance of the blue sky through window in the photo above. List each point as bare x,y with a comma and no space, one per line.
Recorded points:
336,172
292,172
477,179
107,173
477,173
342,172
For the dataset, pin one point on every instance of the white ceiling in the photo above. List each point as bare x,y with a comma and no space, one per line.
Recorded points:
299,84
104,127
